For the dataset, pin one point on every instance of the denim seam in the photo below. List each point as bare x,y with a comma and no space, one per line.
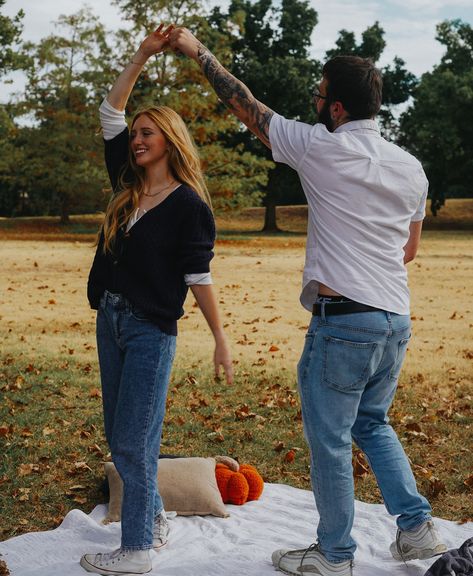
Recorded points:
148,418
309,353
136,548
374,473
391,375
355,329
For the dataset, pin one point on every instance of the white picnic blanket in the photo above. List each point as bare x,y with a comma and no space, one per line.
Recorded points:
241,545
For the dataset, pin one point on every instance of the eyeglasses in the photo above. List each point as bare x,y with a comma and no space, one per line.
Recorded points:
318,96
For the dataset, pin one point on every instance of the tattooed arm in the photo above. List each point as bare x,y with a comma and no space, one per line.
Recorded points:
231,91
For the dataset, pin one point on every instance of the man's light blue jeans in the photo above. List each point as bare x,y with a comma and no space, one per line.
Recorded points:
347,376
135,359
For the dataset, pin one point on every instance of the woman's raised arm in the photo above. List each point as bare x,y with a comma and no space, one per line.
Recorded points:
152,44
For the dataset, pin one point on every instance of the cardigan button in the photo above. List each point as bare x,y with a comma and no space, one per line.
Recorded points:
115,262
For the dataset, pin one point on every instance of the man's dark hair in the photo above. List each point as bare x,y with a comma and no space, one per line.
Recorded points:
356,83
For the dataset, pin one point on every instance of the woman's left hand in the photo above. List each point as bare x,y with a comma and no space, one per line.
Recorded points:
156,42
222,357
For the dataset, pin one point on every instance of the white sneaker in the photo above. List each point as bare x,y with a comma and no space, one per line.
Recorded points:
423,542
160,531
309,561
118,562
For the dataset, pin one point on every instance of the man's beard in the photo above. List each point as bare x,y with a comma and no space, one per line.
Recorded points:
324,116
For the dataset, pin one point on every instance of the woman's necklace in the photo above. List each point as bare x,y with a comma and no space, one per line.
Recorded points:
159,191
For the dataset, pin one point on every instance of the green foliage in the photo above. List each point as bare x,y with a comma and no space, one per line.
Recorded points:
438,127
10,34
371,46
61,164
270,53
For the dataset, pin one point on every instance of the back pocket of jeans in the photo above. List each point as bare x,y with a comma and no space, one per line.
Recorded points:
347,365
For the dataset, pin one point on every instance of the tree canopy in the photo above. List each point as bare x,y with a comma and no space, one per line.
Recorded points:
50,146
438,126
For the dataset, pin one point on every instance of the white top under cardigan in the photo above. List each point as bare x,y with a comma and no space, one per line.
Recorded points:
113,123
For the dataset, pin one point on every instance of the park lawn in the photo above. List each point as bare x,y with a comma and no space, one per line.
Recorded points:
457,214
51,437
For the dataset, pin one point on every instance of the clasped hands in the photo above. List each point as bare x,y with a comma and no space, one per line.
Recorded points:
180,40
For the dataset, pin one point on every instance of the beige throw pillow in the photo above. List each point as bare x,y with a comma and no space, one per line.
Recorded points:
187,486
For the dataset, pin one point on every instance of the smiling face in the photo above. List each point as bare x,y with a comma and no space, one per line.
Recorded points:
148,143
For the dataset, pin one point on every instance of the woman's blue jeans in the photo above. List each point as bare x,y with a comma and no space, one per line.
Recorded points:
347,376
135,359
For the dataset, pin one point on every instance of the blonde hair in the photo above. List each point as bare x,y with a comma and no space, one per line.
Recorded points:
183,161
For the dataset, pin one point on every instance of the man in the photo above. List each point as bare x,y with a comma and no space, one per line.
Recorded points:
366,201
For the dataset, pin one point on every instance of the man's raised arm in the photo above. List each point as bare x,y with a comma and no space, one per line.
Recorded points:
231,91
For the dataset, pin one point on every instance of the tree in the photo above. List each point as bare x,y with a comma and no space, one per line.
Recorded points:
270,54
62,169
10,34
10,59
398,83
438,127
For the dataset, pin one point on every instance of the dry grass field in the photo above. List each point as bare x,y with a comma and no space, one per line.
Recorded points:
50,416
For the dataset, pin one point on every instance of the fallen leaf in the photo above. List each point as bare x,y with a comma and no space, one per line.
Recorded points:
436,487
26,469
469,482
360,465
290,456
414,426
4,569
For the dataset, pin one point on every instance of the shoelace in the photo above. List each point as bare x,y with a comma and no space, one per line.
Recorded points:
399,547
161,528
102,557
316,548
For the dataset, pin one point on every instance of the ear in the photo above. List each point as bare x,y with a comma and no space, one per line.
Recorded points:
337,110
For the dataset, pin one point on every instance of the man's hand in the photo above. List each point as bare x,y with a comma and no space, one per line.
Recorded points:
181,40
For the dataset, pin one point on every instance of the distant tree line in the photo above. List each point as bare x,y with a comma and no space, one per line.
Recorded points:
50,142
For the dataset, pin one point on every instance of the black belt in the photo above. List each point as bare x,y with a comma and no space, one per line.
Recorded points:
348,307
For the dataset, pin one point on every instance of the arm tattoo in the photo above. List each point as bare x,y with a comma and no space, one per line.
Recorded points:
236,96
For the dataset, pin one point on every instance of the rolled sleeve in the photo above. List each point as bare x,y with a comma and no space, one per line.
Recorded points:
420,212
197,241
203,279
112,120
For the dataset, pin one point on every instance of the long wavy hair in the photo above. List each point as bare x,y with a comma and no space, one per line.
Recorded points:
183,161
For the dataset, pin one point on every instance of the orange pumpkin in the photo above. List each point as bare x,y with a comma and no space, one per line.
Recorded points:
238,487
255,482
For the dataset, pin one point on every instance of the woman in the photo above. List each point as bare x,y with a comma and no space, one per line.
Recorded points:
156,240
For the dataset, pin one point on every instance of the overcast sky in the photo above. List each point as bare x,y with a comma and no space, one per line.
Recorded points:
409,25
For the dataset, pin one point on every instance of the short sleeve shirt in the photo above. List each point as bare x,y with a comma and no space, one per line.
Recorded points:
362,193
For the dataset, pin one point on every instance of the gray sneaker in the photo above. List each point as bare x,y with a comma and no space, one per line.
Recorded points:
160,531
309,561
423,542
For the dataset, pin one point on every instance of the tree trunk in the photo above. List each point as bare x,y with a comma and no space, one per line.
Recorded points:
270,224
65,213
